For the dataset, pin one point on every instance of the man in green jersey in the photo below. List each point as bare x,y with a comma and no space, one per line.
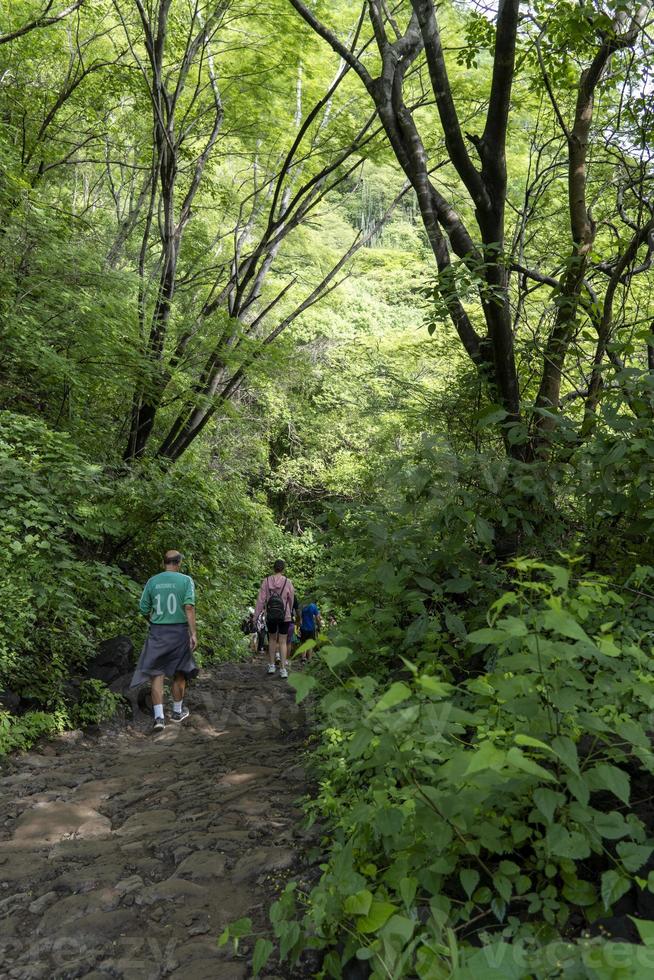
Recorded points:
168,601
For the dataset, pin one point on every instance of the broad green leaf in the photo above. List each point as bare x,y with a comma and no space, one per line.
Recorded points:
614,886
563,623
303,684
469,879
645,930
533,742
358,904
432,685
605,776
566,750
400,925
566,843
408,888
484,530
578,787
262,952
458,585
611,825
236,930
519,760
497,960
487,635
634,856
579,892
241,928
396,694
615,961
560,577
491,415
608,646
498,908
487,756
389,820
503,886
288,934
379,913
334,656
509,868
359,743
547,800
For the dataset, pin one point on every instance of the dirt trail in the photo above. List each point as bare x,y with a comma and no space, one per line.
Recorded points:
124,855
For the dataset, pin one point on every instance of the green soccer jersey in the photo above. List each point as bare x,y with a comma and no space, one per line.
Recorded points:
165,596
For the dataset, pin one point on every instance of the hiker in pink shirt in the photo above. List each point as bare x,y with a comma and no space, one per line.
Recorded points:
276,597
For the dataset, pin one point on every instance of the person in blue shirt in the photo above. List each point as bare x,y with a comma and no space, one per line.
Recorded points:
310,623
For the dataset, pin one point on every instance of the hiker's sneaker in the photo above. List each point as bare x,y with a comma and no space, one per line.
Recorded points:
159,725
283,673
271,668
180,715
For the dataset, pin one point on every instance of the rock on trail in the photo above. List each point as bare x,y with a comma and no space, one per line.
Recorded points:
124,855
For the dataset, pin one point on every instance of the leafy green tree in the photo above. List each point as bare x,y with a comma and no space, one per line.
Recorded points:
408,43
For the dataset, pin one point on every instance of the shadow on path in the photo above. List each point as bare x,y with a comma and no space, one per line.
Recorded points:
124,855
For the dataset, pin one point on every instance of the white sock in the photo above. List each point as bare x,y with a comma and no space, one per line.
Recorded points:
177,705
158,710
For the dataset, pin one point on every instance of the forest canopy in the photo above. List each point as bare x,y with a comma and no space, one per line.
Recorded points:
367,285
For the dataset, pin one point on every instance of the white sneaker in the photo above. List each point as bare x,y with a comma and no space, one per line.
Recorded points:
283,672
278,658
271,668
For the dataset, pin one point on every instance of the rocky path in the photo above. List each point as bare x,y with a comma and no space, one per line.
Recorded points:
124,855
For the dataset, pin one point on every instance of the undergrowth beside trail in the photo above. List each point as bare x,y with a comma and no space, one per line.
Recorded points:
498,798
82,540
484,769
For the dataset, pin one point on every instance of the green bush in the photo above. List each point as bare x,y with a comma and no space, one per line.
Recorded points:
22,732
82,540
95,703
58,590
506,801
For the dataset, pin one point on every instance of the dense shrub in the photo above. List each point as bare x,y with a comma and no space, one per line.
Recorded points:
81,539
506,802
57,589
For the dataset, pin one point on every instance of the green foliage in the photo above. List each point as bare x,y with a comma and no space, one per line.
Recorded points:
504,799
56,591
81,544
96,703
21,733
483,751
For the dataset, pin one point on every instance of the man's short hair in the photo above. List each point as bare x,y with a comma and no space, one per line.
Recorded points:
279,565
173,558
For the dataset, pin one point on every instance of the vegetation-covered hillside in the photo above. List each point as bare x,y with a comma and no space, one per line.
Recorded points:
367,286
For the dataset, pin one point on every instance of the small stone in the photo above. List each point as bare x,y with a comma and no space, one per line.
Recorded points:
50,822
8,904
128,885
39,905
171,890
202,866
147,822
34,761
262,859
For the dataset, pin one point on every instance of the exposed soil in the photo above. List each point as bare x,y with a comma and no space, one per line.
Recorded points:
124,855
